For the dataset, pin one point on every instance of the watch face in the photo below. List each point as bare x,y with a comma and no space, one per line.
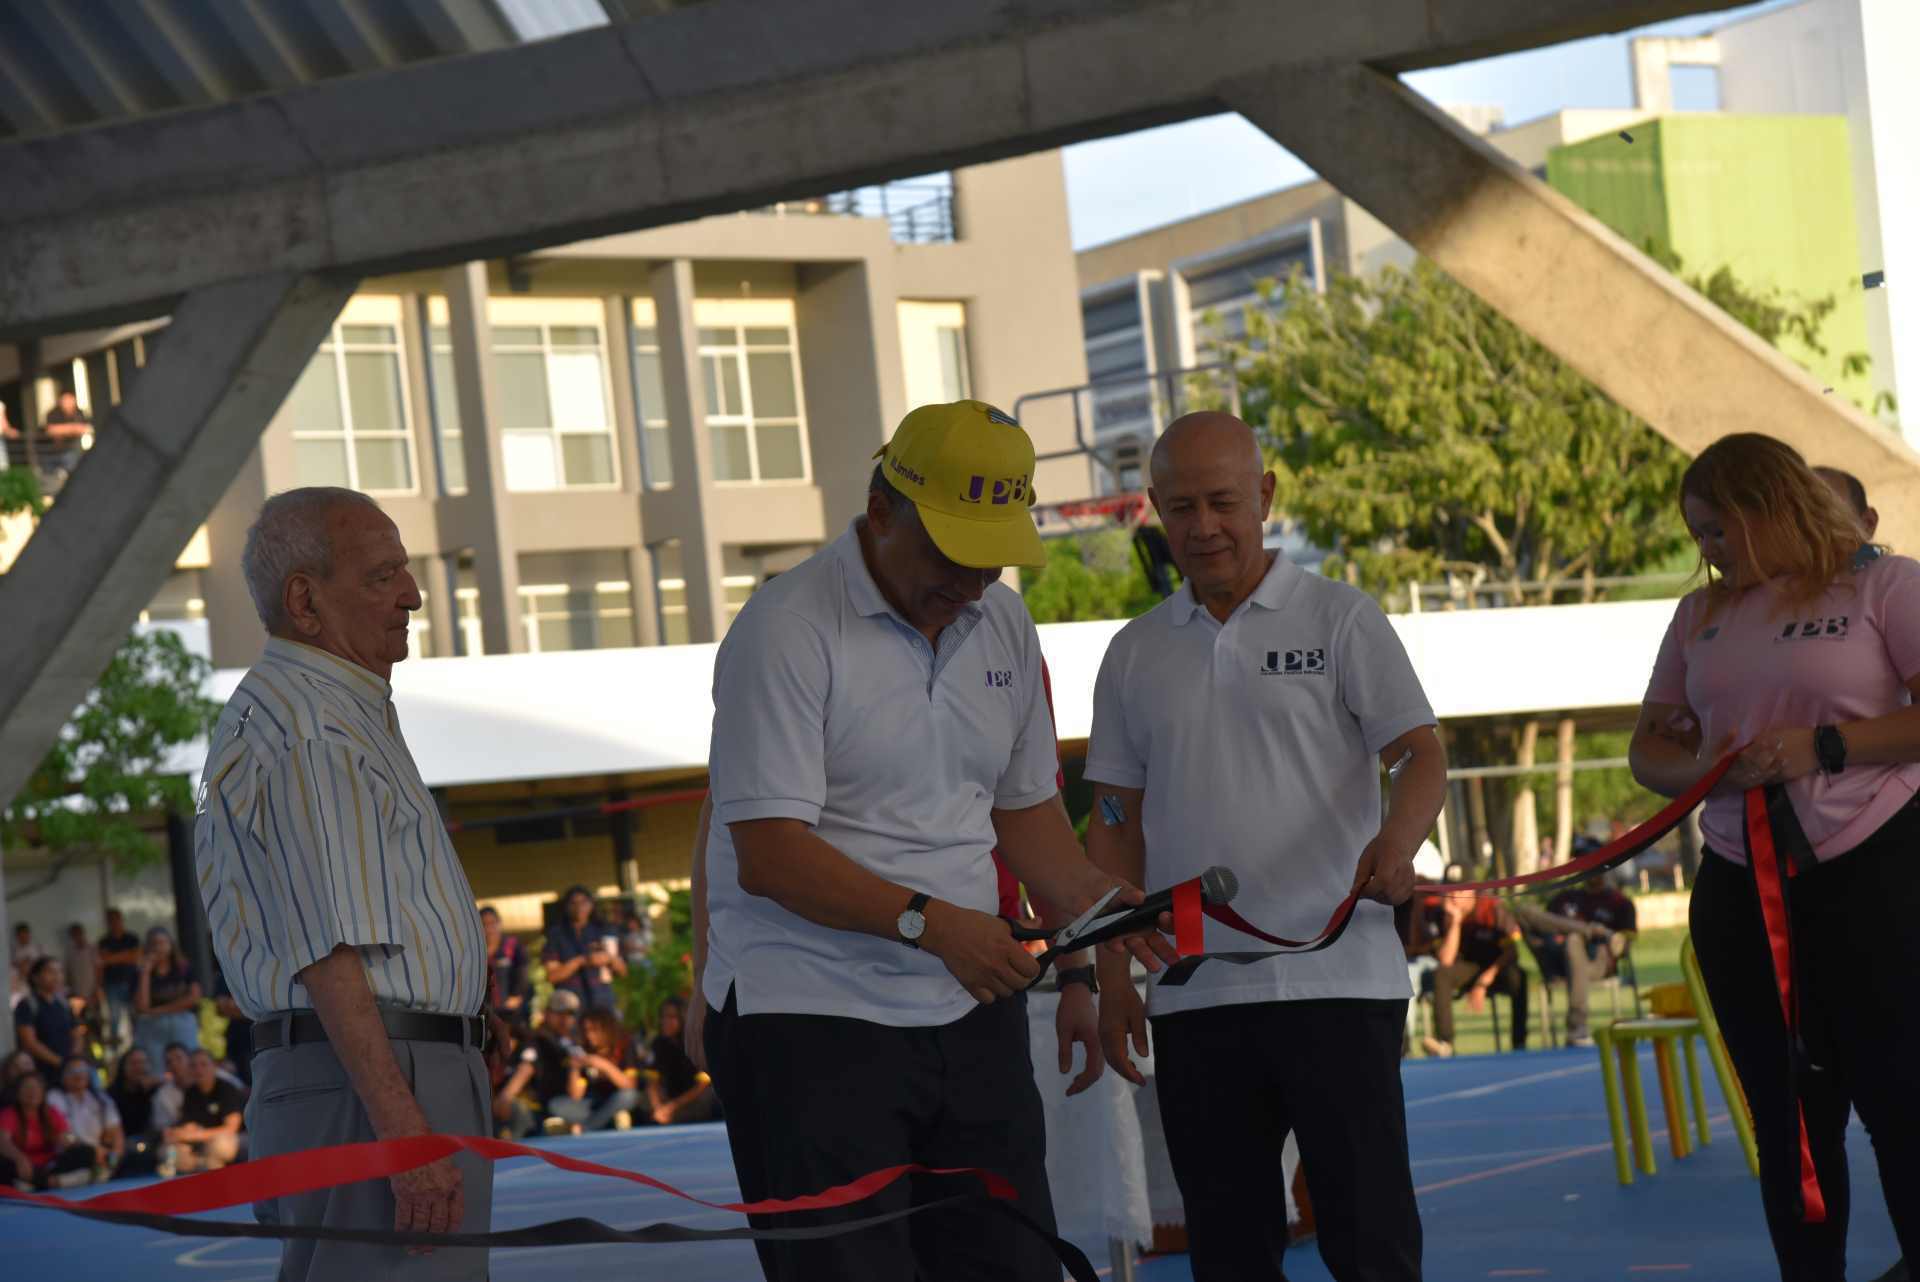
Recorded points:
911,924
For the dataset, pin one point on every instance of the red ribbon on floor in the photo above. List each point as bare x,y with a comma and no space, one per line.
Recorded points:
1767,861
162,1206
1629,844
286,1174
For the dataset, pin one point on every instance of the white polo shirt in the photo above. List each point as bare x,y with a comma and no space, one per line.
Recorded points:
1257,742
831,709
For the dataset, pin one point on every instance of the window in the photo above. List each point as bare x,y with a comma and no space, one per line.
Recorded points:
933,348
576,601
1124,403
670,593
739,579
178,598
749,360
550,376
349,408
1228,289
650,398
443,395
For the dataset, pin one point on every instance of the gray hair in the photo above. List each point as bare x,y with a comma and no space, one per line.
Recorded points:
290,537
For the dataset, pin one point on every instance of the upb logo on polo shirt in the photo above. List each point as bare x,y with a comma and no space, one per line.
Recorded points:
998,492
1832,628
999,678
1295,663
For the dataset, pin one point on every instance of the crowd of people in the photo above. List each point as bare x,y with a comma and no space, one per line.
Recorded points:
110,1079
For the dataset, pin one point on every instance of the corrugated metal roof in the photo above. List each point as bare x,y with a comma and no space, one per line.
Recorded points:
66,64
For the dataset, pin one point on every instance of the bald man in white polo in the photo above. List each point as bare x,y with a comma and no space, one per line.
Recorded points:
1244,722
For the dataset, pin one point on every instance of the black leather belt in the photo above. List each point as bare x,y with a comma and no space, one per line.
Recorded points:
292,1028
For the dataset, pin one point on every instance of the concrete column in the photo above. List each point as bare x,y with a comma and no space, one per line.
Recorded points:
646,602
480,518
1640,334
32,414
851,369
415,355
440,612
165,455
683,511
626,417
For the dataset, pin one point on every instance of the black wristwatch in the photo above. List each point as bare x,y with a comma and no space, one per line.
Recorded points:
913,922
1077,975
1830,747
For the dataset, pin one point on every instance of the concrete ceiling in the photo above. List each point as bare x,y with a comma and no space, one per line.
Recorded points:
66,64
704,109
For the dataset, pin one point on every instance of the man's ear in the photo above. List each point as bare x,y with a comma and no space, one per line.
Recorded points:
297,599
879,512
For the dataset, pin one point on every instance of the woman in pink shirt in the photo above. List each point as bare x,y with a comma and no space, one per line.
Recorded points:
1802,651
40,1132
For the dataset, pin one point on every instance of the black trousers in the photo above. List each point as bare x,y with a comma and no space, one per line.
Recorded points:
1853,921
812,1101
1233,1080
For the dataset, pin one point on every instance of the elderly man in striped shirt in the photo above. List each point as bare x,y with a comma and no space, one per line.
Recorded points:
339,910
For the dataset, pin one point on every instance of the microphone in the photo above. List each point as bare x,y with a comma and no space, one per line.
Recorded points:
1217,886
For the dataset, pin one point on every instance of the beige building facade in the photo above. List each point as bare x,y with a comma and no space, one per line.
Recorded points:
530,424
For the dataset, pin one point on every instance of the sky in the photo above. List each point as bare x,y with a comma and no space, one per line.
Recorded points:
1204,164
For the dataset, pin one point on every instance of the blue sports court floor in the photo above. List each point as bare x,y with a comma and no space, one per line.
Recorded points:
1510,1154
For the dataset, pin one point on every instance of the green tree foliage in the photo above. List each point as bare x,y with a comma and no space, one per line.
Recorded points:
1417,432
20,491
108,771
667,972
1093,576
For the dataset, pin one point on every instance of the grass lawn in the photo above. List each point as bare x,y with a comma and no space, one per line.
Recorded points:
1656,957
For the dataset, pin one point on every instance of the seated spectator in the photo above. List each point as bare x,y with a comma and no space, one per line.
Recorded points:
25,951
44,1022
509,990
678,1092
166,999
1601,919
133,1091
636,938
1418,942
170,1098
14,1165
91,1115
1479,950
545,1070
208,1136
15,1067
40,1132
239,1032
607,1081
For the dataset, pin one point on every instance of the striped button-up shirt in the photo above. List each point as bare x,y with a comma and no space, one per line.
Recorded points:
315,830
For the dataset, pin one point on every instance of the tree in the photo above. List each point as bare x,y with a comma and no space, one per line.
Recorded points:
1417,432
1092,576
112,766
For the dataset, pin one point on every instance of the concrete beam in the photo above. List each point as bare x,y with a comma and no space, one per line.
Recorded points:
706,109
1626,323
164,457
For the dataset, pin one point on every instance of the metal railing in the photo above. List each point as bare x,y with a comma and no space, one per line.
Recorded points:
917,213
1462,592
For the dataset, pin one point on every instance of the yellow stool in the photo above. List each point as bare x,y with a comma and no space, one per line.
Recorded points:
1730,1088
1618,1044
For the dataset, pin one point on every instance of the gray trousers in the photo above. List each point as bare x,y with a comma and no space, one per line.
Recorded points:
303,1099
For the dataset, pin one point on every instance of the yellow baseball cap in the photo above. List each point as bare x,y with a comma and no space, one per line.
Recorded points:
968,468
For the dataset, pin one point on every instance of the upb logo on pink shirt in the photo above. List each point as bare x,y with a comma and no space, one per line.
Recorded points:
1832,628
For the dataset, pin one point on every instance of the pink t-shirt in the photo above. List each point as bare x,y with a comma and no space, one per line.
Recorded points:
1760,666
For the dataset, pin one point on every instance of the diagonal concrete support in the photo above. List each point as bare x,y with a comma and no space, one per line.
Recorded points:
164,457
1644,337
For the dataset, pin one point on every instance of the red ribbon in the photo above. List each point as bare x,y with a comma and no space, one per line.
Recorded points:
1764,858
286,1174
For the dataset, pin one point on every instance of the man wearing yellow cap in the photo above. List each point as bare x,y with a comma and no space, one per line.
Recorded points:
879,727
